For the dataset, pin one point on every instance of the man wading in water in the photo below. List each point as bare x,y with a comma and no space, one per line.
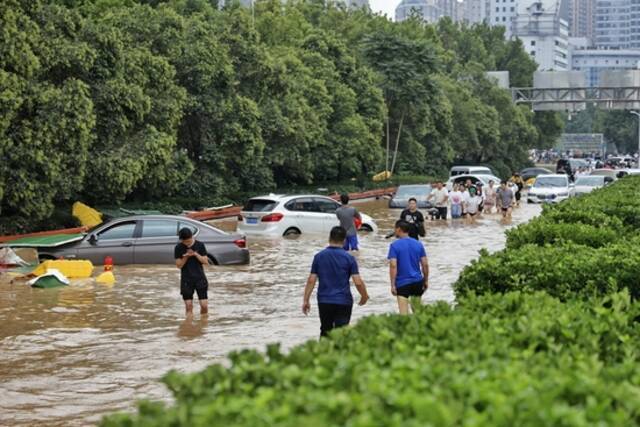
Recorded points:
407,256
334,267
190,256
347,216
414,217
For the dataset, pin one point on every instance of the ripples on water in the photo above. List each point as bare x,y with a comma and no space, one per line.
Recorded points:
69,355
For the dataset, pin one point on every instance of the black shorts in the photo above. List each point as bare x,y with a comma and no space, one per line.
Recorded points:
411,290
505,209
187,289
471,214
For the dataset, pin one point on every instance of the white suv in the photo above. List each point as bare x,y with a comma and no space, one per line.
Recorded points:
280,215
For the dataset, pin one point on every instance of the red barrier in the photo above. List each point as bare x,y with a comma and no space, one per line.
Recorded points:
76,230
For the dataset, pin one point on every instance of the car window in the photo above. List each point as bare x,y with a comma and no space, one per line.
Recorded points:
551,182
302,204
119,231
192,227
326,206
159,228
260,205
413,191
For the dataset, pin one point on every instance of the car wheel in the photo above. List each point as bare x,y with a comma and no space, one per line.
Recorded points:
292,232
366,227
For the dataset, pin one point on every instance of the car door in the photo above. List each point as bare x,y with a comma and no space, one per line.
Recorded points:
115,240
157,241
307,216
327,208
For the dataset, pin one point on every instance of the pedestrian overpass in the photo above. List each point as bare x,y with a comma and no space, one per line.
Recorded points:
567,91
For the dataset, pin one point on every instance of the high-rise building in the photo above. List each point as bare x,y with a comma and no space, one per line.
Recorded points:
502,13
475,11
544,34
430,10
426,9
615,23
581,16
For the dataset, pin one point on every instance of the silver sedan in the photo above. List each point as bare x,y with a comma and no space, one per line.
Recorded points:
150,239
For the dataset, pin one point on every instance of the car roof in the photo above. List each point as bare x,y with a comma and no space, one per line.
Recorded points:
154,216
413,185
554,175
469,167
285,197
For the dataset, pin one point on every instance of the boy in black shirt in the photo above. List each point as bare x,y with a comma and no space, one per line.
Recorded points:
415,219
190,256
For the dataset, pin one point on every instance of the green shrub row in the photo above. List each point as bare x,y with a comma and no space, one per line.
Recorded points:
544,333
587,245
509,360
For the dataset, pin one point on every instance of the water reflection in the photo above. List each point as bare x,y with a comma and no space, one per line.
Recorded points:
68,355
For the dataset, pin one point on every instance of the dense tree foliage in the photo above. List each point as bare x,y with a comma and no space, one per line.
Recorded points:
109,100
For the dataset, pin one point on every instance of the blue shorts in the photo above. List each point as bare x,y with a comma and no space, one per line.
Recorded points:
351,243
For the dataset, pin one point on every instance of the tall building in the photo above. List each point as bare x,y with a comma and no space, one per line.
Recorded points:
475,11
430,10
426,9
581,16
614,19
544,34
502,13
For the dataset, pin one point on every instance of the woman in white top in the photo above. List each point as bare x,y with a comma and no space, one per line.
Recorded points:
456,199
472,205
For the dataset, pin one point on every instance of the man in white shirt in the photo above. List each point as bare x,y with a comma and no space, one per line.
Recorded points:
440,197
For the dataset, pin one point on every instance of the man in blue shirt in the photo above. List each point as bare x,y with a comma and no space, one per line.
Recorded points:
334,267
408,269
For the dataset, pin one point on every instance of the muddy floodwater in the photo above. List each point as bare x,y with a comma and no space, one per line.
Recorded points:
70,355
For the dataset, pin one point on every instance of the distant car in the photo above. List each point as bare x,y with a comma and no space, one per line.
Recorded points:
611,173
550,189
529,173
587,183
150,239
405,192
282,215
475,178
624,172
470,170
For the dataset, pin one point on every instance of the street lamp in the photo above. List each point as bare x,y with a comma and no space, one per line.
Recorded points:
638,114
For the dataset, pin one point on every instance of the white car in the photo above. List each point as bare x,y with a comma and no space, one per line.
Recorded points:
281,215
550,189
461,179
587,183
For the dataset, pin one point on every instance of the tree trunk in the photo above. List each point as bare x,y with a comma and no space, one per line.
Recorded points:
395,151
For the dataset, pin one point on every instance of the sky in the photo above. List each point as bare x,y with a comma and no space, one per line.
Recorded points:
387,7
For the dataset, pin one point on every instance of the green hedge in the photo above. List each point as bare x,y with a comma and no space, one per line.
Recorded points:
506,355
564,271
494,360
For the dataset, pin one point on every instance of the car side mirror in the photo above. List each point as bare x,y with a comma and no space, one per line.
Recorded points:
93,239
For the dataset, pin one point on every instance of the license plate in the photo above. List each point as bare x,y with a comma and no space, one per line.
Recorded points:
252,220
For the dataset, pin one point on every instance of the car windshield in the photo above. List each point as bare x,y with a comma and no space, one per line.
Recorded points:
260,205
417,191
550,182
590,181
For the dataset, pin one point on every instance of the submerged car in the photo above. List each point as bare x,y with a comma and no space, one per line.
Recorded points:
286,215
150,239
587,183
550,189
470,170
529,173
406,192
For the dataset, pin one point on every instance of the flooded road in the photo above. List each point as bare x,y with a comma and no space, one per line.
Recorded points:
70,355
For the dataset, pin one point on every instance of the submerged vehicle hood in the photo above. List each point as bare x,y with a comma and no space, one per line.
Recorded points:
545,191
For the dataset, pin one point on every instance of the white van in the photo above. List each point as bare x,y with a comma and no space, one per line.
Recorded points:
470,170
